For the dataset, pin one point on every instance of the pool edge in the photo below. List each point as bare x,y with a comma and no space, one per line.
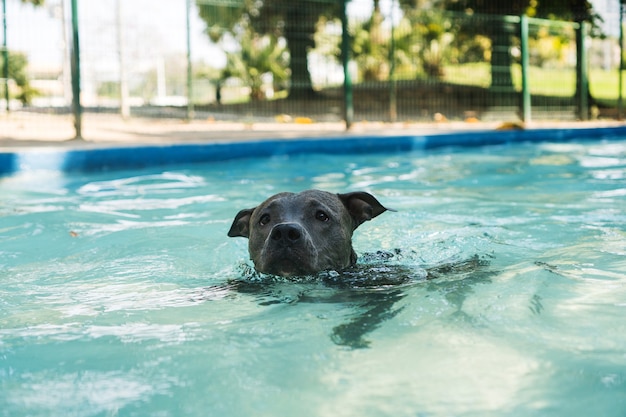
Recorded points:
120,157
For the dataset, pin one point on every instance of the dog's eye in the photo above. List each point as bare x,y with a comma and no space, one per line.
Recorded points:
265,219
321,216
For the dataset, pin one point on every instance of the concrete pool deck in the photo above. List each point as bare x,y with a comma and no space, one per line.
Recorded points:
114,144
28,131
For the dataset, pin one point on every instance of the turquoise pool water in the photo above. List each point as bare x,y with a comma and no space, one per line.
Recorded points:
120,294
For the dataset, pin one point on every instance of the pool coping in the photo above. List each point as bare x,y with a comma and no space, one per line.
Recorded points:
138,156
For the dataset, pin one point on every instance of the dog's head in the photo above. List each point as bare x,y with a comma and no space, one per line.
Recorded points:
305,233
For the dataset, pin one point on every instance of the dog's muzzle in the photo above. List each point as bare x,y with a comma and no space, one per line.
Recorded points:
288,250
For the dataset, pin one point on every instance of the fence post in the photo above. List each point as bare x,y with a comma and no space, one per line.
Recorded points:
75,63
582,80
620,83
121,55
348,110
526,97
190,109
5,55
393,99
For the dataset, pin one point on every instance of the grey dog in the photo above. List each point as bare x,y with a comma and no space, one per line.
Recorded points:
295,234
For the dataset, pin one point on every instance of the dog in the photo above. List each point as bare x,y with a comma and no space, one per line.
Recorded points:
300,234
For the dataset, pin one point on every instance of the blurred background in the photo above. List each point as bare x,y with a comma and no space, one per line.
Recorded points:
313,61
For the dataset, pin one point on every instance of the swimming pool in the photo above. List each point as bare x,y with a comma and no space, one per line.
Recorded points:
117,293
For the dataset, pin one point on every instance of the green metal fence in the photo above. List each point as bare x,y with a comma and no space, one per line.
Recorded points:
314,60
405,65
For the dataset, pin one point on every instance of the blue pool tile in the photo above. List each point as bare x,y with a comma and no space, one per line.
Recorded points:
137,157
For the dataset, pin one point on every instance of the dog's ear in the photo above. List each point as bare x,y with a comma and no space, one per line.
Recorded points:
362,207
241,224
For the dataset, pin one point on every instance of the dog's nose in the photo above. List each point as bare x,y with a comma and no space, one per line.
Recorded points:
286,232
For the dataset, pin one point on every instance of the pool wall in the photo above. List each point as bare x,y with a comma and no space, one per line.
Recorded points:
7,163
142,156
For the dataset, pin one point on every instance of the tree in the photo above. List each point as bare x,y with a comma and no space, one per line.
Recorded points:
17,72
370,47
420,41
577,11
259,58
501,33
295,21
431,29
570,10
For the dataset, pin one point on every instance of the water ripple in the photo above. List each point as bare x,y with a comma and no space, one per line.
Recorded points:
120,207
141,184
84,393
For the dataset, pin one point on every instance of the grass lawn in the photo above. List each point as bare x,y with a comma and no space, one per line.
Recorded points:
543,81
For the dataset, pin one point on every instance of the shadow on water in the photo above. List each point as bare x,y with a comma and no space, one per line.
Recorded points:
373,289
376,309
456,281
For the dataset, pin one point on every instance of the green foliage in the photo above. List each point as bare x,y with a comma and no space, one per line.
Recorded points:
17,72
549,49
428,38
569,10
295,22
370,48
433,29
498,7
222,17
109,89
259,59
423,45
501,34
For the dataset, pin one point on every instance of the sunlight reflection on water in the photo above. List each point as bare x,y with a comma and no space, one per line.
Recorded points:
122,295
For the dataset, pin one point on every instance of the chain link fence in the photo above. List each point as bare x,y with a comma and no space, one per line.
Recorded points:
255,62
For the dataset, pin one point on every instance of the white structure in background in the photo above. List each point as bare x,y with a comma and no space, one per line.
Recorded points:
161,98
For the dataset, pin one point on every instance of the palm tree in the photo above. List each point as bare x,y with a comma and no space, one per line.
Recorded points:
294,21
261,57
370,47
